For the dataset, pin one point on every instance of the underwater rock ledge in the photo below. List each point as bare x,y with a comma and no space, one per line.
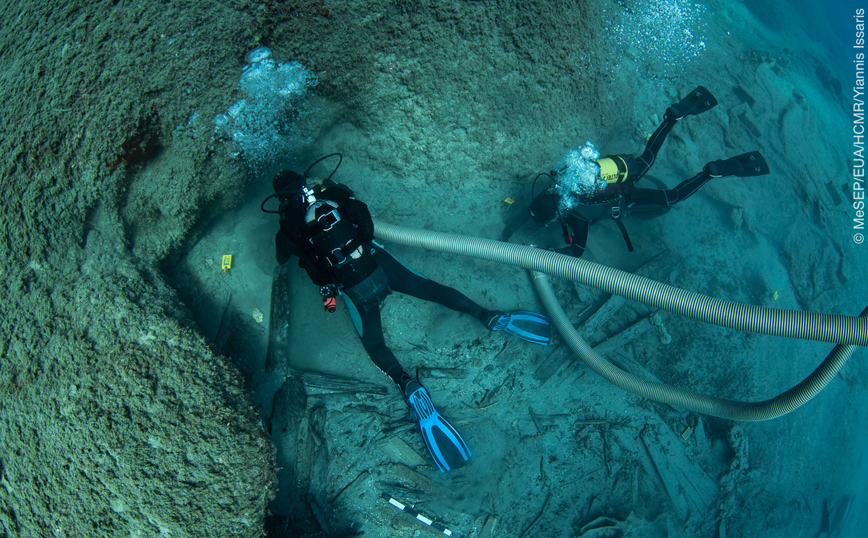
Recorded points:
117,417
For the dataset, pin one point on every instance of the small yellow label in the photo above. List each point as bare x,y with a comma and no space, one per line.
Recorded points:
227,262
776,295
509,201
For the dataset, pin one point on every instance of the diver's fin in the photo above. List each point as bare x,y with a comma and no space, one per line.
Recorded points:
696,102
529,326
446,447
746,165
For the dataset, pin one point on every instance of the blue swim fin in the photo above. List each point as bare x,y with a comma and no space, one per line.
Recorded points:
529,326
442,441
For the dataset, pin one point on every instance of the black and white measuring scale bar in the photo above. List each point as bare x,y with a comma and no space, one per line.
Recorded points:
428,521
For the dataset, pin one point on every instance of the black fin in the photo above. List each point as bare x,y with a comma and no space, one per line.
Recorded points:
746,165
696,102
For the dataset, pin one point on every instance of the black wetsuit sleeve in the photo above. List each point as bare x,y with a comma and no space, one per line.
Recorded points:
292,240
358,214
319,275
575,234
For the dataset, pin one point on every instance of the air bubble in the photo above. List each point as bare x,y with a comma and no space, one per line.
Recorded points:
262,124
579,176
257,55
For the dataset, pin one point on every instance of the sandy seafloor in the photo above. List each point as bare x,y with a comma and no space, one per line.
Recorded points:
134,397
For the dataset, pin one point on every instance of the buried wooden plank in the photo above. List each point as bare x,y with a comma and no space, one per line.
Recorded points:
551,364
338,384
690,490
399,451
656,268
623,338
601,316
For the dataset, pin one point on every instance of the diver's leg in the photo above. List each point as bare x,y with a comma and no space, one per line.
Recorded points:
744,165
669,197
696,102
686,188
529,326
403,280
375,345
652,197
445,445
655,142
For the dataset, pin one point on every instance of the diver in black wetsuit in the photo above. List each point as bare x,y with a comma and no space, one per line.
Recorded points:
332,234
591,188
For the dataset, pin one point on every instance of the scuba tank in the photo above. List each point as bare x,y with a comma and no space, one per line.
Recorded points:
614,168
336,241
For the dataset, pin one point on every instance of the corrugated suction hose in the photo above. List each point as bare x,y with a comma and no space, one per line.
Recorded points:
709,405
847,331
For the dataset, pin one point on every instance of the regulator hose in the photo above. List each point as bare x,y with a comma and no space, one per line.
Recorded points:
836,329
846,331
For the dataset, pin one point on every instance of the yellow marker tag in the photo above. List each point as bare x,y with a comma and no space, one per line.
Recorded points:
687,433
776,295
510,201
227,262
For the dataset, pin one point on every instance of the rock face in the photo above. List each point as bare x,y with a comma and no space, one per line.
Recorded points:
117,418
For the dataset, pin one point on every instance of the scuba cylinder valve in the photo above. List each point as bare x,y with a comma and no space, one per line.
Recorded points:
308,195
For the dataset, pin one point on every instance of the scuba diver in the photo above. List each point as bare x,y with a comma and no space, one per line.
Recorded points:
589,188
331,233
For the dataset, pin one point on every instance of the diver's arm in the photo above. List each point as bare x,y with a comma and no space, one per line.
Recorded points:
292,241
353,209
515,224
357,213
575,234
317,274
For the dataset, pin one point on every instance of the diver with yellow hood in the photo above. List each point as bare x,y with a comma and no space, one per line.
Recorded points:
588,187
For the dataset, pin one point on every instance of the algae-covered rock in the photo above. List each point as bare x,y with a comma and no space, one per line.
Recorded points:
117,418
